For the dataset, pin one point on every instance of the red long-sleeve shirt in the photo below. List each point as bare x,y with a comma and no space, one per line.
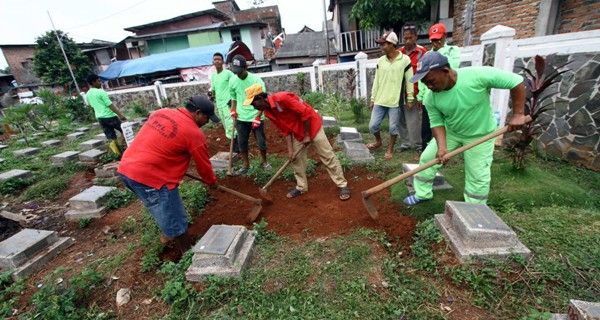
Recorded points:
288,112
414,56
161,152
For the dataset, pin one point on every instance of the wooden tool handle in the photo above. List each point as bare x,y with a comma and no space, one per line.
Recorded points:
223,188
384,185
287,163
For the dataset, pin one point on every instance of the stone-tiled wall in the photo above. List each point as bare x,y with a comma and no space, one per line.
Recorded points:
289,82
336,81
370,78
122,100
178,95
570,128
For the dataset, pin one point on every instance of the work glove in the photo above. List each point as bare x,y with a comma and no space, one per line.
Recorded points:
233,113
256,123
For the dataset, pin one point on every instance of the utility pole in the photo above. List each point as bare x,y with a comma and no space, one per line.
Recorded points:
326,31
64,54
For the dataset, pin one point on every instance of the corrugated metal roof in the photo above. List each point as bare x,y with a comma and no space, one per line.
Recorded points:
306,44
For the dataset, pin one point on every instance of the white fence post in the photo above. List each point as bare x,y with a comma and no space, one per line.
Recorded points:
361,70
498,51
158,89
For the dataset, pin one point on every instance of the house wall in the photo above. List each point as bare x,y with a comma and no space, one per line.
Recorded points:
20,61
204,38
256,44
579,15
226,35
167,45
179,25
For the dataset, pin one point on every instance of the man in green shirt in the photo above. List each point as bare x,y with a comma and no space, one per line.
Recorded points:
437,36
393,71
248,118
105,111
459,108
219,83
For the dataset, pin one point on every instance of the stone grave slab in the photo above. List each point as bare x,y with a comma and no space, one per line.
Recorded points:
223,251
558,316
108,170
51,143
91,198
357,152
23,140
15,174
100,136
91,155
74,135
329,122
349,134
95,125
2,160
20,217
439,182
475,231
82,129
91,144
583,310
3,146
62,158
17,249
220,161
78,214
26,152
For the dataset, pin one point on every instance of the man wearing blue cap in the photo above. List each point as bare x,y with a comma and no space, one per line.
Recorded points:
458,104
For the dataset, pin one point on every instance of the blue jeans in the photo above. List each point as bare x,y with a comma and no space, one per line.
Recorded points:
377,115
165,206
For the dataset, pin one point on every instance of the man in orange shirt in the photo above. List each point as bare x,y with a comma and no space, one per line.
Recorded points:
159,157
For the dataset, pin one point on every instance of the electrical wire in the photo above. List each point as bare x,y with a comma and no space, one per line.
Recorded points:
106,17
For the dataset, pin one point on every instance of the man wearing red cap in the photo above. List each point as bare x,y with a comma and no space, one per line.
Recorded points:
393,72
437,36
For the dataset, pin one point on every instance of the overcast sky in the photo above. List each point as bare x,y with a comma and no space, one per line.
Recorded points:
21,21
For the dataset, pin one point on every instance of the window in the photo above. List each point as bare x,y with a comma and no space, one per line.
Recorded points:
236,35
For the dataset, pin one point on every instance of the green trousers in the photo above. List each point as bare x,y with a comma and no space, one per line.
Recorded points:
478,162
224,114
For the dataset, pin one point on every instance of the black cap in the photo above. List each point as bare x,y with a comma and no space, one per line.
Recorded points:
204,105
430,61
238,63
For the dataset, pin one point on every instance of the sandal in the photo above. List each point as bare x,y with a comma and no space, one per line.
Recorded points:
412,200
388,156
344,193
373,146
293,193
242,171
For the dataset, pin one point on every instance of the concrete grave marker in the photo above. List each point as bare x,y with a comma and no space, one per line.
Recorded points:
475,231
100,136
3,146
439,182
583,310
74,136
91,155
82,129
26,152
15,174
2,160
89,203
62,158
91,144
51,143
350,134
29,250
220,161
95,125
329,122
357,152
222,251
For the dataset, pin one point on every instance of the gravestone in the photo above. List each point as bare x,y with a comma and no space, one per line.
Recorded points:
583,310
2,160
95,125
82,129
475,231
3,146
89,203
349,134
51,143
15,174
26,152
91,144
220,161
91,156
439,182
357,152
100,136
223,251
106,175
64,157
329,122
74,136
29,250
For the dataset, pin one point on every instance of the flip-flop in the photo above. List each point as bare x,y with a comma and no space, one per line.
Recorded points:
293,193
344,193
373,146
388,156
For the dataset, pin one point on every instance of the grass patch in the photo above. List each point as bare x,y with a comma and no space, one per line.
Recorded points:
48,189
195,197
118,198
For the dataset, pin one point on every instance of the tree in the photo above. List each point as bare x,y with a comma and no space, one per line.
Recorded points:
389,13
49,63
5,70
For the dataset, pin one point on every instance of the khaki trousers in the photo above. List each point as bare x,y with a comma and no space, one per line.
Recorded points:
327,156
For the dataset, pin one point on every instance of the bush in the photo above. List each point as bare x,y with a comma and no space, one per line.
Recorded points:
358,107
195,197
48,189
138,109
314,99
12,186
119,198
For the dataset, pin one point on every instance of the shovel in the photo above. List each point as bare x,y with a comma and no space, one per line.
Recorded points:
230,164
263,191
257,202
368,193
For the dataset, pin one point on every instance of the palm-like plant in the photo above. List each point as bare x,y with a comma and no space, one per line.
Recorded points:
534,106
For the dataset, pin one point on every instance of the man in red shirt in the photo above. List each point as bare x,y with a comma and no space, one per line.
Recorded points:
159,157
301,126
410,118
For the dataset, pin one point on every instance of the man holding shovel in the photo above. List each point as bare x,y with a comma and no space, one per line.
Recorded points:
159,157
459,109
302,127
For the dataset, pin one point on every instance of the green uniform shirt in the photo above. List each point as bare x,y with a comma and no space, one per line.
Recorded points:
219,81
465,109
238,93
453,55
389,79
99,100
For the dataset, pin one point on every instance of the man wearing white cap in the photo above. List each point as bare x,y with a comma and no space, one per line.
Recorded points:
394,70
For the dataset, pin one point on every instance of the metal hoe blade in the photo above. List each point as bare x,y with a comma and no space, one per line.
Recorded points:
371,209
